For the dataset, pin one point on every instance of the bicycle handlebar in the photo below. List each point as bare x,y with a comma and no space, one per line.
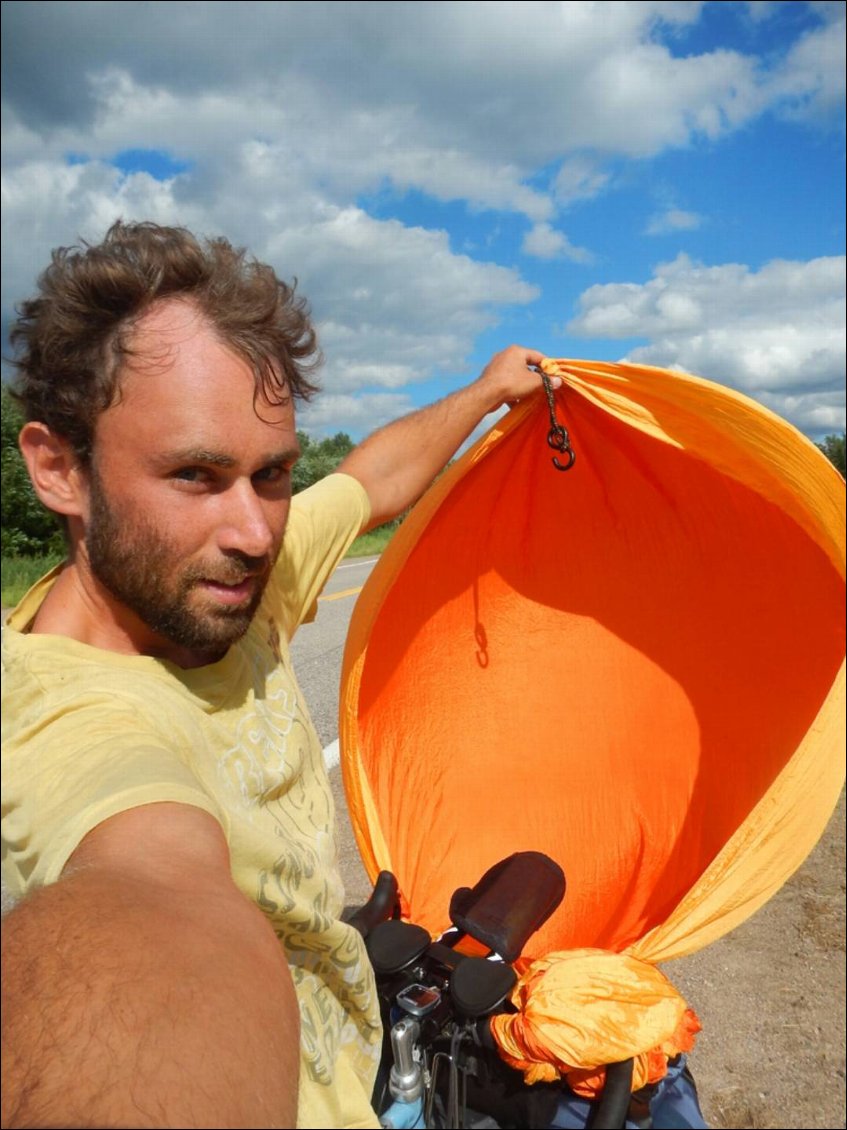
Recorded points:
383,905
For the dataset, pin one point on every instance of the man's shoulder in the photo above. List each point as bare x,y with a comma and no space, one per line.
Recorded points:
336,486
324,522
35,654
56,688
332,511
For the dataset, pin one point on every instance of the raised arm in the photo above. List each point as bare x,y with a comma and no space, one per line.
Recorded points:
143,989
397,463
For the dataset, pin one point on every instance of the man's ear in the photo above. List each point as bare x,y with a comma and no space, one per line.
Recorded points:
54,469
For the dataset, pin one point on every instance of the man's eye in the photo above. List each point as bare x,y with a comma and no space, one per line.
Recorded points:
191,475
271,474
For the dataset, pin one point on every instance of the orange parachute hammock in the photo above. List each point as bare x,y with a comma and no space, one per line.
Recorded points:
636,666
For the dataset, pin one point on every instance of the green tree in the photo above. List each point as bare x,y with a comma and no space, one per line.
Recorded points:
833,449
28,529
319,458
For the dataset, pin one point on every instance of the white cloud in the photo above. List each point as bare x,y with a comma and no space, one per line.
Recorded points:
819,415
381,289
53,203
672,220
580,177
545,242
811,82
393,304
777,333
360,414
432,97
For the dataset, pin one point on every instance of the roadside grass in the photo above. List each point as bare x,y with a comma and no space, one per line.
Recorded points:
373,542
20,573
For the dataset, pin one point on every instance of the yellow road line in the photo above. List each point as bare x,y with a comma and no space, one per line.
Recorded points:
338,595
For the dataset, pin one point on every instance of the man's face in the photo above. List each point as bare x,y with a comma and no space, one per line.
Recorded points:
189,491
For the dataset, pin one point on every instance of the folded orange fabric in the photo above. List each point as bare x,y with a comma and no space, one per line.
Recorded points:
582,1009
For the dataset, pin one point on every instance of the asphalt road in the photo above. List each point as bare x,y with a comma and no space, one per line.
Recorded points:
318,647
771,995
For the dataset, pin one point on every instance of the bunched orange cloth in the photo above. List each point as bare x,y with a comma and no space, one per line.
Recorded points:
581,1009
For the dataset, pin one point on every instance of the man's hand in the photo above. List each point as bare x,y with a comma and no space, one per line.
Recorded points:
397,464
508,377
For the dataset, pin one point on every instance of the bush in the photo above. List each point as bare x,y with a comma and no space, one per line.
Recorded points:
28,528
833,449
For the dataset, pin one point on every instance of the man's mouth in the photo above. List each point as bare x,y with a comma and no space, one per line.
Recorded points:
231,592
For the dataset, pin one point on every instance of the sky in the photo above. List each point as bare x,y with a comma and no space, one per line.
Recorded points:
660,182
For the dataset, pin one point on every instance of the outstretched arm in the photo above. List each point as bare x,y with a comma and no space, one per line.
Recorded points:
143,989
397,463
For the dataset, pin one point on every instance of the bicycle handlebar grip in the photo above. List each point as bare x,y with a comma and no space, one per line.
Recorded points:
383,905
613,1105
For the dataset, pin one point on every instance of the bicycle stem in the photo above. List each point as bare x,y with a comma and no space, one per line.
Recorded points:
406,1078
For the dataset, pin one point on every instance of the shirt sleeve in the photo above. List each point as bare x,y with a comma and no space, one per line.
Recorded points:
324,522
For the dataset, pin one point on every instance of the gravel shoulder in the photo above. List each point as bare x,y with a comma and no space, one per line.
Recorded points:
771,998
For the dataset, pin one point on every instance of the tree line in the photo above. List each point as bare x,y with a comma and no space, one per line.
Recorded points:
29,530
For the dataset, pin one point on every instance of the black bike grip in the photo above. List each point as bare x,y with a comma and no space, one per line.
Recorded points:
383,904
612,1106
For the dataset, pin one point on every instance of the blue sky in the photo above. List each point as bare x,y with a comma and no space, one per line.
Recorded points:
657,181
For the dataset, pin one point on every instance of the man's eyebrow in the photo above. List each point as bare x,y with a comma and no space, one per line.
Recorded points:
200,456
190,455
278,458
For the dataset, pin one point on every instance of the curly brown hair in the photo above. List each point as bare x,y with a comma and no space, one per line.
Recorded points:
72,338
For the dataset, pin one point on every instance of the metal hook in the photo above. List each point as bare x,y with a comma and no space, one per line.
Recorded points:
565,466
557,437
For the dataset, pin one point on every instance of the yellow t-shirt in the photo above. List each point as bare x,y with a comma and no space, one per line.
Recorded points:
89,733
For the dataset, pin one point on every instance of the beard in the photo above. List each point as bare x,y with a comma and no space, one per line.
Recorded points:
143,570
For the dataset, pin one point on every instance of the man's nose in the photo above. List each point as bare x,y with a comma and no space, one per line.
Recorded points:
245,525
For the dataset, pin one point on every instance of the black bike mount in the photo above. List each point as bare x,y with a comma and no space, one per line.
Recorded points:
478,987
394,945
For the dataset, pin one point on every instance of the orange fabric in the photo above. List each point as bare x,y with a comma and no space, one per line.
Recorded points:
589,1008
636,666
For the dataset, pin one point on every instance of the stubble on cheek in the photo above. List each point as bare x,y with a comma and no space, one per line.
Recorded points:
142,570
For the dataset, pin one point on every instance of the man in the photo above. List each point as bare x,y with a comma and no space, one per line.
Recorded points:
179,958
